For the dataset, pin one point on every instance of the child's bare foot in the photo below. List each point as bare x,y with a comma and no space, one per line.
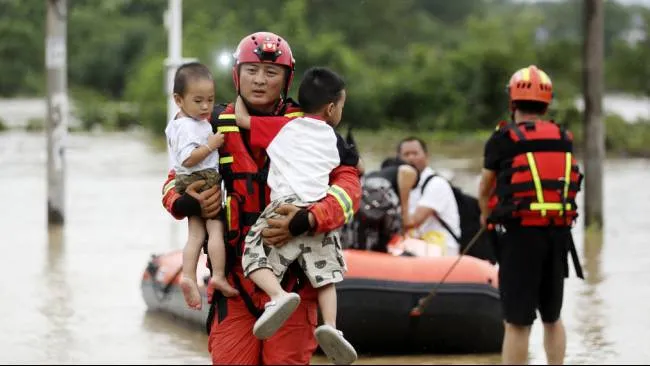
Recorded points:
221,284
191,292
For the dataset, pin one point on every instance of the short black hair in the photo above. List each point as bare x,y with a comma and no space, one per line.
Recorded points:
530,106
409,139
191,70
394,161
319,87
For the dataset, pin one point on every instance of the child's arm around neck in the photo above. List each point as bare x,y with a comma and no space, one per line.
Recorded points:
242,117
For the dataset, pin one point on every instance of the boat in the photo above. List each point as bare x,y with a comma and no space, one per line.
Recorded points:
375,300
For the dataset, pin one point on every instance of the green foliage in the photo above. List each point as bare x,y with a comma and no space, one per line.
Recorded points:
410,65
35,124
627,139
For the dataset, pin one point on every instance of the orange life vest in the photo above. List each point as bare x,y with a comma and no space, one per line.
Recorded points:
538,184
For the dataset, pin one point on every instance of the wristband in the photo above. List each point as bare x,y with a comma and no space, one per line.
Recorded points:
299,224
186,205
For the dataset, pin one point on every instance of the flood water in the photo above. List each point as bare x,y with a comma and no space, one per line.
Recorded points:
74,296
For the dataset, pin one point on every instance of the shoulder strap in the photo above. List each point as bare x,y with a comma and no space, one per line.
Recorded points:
214,116
442,222
426,181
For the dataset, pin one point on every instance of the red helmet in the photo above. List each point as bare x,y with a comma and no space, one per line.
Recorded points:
530,84
264,47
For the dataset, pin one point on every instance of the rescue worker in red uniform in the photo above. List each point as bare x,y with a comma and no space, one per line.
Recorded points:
262,73
528,190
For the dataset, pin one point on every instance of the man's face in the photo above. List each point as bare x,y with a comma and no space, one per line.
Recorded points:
413,153
261,84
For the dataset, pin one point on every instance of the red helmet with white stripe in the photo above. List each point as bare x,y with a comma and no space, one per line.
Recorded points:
264,47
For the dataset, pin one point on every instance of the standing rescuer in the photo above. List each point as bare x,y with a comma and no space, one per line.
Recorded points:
528,189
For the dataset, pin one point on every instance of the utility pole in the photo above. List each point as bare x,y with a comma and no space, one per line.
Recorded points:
173,20
594,128
57,108
174,24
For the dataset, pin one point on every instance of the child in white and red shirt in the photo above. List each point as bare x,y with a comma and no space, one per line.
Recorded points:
302,151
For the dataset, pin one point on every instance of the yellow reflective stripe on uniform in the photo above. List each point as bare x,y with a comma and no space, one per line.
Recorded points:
294,114
168,186
549,206
538,184
223,129
228,212
567,174
226,116
567,177
344,200
226,160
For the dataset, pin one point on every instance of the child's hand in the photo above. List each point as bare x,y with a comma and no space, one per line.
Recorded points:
240,106
215,141
241,113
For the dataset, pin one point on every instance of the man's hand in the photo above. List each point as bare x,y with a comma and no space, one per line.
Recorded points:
210,199
278,233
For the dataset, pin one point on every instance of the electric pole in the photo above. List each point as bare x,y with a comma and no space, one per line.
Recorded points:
174,24
594,128
57,108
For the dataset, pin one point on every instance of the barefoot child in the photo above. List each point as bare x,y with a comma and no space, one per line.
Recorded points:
193,154
302,153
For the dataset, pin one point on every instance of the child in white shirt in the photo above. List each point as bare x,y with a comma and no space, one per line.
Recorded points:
194,156
302,152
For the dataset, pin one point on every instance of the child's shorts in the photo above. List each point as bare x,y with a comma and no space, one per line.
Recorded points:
211,177
320,256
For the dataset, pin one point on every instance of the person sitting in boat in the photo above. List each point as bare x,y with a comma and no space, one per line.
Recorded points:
384,208
433,210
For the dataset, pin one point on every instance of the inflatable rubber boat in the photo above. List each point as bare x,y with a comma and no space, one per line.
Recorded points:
375,299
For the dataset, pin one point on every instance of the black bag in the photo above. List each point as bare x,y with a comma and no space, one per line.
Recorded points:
470,223
378,217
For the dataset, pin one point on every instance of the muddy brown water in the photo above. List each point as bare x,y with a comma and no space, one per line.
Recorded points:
73,296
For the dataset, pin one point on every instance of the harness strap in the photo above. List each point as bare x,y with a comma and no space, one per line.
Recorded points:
576,261
507,172
530,186
248,301
442,222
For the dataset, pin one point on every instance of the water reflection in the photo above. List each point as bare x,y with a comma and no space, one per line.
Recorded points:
56,299
590,314
175,331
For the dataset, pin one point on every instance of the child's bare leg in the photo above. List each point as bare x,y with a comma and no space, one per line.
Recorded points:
265,279
191,253
276,311
327,304
217,253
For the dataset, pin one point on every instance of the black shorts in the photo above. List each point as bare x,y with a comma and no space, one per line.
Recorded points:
532,268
